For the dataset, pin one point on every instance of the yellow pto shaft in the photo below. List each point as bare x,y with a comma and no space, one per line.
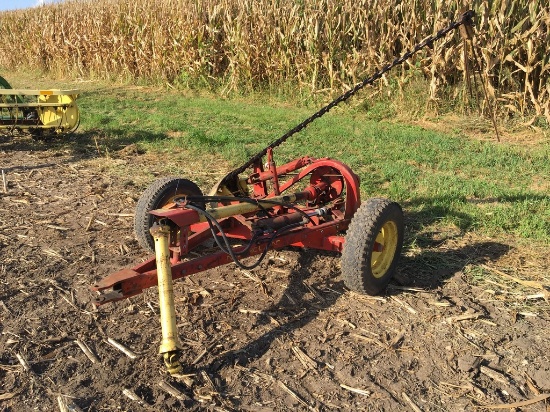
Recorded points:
169,346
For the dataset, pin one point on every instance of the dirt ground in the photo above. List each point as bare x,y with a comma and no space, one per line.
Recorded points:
453,332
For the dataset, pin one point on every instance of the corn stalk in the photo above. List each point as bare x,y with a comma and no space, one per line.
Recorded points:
317,44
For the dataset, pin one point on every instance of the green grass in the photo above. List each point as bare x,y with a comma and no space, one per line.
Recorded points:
443,180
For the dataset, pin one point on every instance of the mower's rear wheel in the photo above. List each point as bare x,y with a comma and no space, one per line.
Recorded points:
372,247
160,195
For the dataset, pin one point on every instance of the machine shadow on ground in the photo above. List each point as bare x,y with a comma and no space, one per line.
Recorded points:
428,270
81,145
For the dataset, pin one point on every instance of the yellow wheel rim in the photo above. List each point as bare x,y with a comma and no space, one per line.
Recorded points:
384,249
65,117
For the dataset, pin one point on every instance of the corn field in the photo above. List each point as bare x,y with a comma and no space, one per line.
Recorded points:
321,45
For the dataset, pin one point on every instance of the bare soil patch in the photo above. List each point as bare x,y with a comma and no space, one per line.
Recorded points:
450,333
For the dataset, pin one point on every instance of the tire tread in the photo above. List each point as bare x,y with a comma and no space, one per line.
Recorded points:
361,234
149,201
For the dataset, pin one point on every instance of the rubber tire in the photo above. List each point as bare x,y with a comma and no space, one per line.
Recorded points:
366,224
157,195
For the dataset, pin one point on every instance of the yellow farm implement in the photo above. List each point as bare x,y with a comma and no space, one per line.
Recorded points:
39,113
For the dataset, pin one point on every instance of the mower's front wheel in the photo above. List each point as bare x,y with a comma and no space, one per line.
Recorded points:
372,246
161,194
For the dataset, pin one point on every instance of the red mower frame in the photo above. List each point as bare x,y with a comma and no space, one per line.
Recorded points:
318,222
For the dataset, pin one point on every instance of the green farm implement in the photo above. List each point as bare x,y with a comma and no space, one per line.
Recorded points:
39,113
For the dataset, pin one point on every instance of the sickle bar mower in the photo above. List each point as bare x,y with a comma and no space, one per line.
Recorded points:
305,203
313,203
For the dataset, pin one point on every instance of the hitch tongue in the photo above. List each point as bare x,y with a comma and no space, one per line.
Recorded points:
169,346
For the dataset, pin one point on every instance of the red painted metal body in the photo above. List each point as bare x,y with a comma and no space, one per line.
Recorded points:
330,198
